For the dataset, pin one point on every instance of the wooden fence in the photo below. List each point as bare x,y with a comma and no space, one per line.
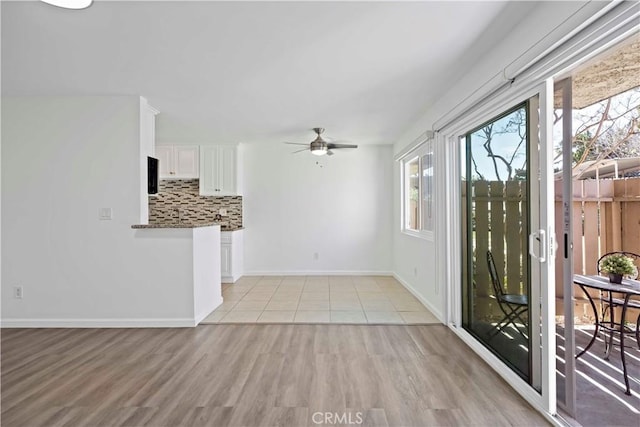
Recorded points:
606,218
499,225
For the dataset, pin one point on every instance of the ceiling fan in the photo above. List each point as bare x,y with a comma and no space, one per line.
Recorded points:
319,146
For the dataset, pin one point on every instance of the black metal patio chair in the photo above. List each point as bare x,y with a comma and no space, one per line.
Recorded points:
513,306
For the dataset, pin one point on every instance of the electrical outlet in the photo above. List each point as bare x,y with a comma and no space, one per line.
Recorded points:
105,213
316,256
17,292
222,211
415,271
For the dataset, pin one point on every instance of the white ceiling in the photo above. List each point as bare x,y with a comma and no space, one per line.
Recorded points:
255,71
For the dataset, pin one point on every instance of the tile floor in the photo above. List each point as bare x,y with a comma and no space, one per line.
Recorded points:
320,299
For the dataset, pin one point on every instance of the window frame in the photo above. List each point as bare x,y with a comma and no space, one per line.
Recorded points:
424,149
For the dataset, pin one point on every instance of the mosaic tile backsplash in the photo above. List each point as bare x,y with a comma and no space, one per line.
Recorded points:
179,199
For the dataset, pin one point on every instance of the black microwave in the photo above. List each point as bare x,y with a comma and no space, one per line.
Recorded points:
152,175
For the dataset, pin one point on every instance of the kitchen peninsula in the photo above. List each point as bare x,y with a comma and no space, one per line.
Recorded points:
179,201
188,254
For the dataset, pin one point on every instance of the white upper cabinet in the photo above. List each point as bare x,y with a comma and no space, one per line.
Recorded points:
178,161
164,153
218,170
187,161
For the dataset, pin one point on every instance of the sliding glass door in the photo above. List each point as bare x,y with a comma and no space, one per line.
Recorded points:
507,240
497,303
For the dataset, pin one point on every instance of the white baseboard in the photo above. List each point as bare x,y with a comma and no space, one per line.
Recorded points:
231,279
318,273
203,315
436,312
98,323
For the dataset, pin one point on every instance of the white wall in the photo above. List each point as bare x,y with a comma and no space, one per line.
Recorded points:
63,159
147,149
414,259
206,271
293,208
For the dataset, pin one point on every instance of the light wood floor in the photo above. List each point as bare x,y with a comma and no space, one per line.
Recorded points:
251,375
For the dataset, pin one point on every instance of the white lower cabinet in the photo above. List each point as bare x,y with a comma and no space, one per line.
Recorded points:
231,255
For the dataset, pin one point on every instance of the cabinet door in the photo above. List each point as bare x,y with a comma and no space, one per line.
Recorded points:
225,260
164,153
186,162
209,171
227,174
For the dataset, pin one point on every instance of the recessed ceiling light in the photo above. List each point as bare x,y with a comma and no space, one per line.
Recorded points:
70,4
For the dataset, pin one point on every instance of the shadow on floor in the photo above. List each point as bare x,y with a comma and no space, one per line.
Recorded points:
600,388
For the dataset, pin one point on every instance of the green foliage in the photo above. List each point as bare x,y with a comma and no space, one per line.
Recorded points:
413,194
520,175
581,143
617,264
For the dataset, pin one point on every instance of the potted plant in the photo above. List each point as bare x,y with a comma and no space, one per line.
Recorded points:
617,266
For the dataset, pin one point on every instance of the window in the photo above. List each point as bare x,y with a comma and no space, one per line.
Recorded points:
412,180
417,170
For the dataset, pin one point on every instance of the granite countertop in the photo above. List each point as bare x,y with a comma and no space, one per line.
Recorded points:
185,225
231,228
175,225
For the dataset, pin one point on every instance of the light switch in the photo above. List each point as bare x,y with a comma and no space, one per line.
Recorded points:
222,211
105,214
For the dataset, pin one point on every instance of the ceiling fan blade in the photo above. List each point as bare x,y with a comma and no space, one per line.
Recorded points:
331,146
329,153
300,151
295,143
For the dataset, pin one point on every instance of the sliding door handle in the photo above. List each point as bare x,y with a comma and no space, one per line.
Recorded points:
543,246
541,237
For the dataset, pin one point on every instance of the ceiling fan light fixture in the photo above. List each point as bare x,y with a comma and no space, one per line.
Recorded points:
318,147
69,4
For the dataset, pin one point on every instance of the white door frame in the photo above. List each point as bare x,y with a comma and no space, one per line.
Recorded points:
603,32
569,404
451,247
